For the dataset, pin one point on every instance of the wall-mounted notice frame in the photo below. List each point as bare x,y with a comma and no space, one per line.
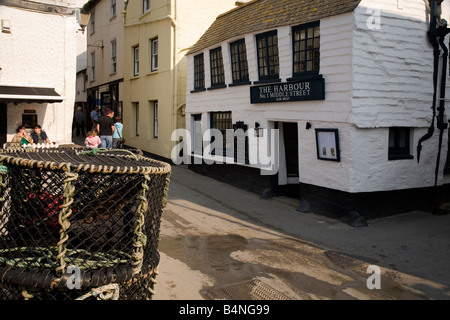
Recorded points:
327,141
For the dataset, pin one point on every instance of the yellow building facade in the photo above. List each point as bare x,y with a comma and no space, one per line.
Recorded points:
158,33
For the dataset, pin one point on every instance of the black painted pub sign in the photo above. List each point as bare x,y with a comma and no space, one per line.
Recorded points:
313,89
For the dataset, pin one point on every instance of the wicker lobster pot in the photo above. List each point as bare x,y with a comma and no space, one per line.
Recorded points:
79,224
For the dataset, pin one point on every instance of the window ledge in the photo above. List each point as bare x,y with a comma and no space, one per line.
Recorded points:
220,86
240,84
400,157
267,81
145,13
198,90
305,77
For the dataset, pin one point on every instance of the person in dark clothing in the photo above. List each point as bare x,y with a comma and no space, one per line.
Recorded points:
79,122
39,135
95,115
105,129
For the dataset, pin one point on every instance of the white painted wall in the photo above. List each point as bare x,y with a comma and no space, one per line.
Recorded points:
392,66
40,51
393,86
374,79
336,67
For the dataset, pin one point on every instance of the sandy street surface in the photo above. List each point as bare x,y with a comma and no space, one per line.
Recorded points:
220,242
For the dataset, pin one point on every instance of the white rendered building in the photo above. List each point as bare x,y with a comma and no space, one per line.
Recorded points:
37,67
348,84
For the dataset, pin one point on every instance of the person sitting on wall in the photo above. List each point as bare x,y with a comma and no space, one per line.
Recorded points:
39,135
22,136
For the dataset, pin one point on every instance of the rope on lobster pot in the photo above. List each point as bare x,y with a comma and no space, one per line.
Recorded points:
3,172
106,292
69,191
96,151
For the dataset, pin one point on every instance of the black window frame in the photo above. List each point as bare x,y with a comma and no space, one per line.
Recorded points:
228,121
239,62
199,72
303,54
217,68
399,150
29,119
270,58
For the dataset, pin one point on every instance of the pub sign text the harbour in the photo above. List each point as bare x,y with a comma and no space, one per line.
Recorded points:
313,89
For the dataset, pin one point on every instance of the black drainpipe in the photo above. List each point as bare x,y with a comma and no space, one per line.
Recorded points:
441,124
432,35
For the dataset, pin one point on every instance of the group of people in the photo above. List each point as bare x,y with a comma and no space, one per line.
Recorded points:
106,132
36,137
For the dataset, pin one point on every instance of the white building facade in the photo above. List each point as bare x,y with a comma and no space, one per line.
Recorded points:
37,67
348,85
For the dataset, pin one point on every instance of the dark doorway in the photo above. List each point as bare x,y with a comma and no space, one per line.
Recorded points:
3,123
290,132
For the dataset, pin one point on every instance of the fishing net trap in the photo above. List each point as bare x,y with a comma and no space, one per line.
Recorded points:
77,224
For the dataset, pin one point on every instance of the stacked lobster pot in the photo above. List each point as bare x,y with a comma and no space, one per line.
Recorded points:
80,224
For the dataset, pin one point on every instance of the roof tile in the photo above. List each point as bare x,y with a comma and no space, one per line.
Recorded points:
260,15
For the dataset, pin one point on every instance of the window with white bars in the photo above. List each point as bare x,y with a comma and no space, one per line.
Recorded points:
145,5
136,60
92,66
113,11
113,56
154,53
155,119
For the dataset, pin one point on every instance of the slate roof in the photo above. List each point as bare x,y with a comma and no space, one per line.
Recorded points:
260,15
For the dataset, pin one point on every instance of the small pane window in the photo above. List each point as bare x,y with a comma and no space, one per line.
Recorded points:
199,72
399,143
155,119
239,63
306,49
92,66
29,120
145,5
136,60
222,121
113,12
217,71
267,48
154,48
113,56
92,23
